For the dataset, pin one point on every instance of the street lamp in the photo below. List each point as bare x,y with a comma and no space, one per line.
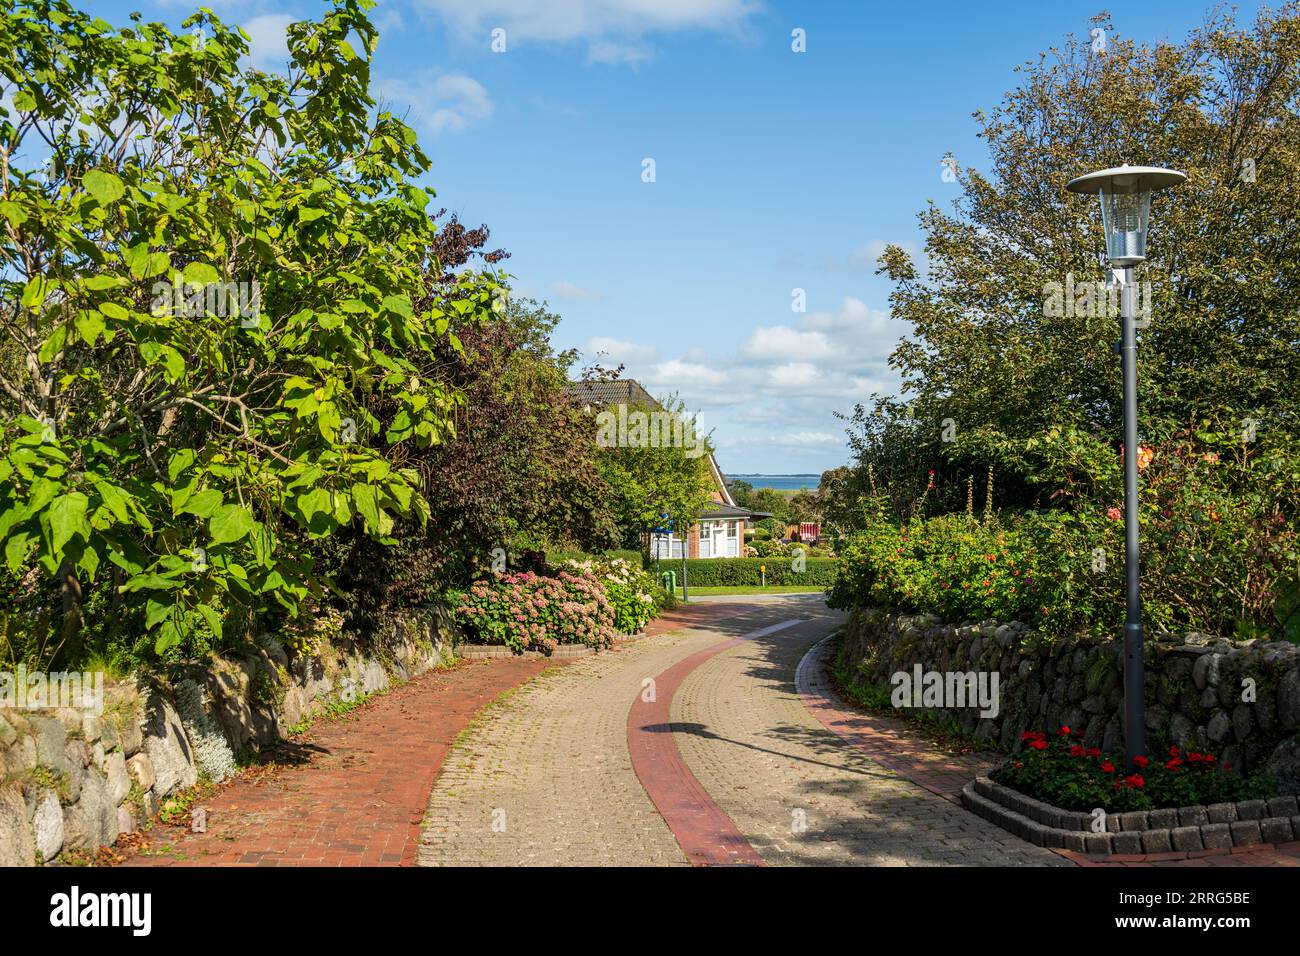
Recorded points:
1125,193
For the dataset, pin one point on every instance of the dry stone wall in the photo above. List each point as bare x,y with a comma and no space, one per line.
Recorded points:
72,781
1240,701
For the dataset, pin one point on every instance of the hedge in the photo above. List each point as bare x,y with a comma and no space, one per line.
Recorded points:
737,572
556,558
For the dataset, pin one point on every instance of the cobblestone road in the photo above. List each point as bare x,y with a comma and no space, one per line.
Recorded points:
545,776
795,789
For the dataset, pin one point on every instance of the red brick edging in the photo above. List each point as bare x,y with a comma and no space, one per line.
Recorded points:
704,832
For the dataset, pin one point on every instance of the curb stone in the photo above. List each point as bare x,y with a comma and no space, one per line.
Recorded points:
1221,826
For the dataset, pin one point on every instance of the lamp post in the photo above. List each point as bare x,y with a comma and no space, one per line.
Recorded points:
1125,193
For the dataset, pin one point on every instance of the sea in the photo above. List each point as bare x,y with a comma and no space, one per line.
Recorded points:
779,482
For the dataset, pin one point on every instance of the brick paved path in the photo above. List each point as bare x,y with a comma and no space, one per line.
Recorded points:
706,742
559,772
544,777
357,797
796,790
889,743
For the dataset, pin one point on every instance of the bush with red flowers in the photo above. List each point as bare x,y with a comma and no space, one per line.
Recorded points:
1058,769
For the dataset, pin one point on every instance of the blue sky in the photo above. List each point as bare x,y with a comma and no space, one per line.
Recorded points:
774,171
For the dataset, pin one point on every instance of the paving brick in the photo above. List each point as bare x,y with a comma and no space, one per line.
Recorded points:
1156,841
1275,830
349,792
1245,832
1186,838
1216,836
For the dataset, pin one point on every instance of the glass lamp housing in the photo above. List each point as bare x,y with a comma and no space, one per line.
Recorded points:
1125,194
1124,218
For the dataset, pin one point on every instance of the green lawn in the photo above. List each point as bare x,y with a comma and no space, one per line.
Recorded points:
755,589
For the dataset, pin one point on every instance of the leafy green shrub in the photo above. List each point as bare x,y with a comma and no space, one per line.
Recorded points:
1219,547
1218,515
744,572
558,558
538,612
1061,771
955,565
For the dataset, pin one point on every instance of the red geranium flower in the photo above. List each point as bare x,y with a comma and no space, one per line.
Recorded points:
1093,752
1076,751
1107,766
1173,751
1141,761
1173,764
1065,731
1135,780
1038,744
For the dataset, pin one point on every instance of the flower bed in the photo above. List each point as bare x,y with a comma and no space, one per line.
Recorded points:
528,611
1063,772
1190,829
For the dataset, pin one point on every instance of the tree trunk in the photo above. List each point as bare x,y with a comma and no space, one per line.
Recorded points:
71,607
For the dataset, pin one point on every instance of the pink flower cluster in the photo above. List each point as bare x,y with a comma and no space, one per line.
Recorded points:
530,611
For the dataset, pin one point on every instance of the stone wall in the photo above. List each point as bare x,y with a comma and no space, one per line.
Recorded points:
71,781
1195,686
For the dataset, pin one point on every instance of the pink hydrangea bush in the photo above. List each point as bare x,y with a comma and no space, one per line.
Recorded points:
528,611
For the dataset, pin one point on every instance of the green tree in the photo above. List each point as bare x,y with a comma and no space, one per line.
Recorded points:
993,374
206,293
650,484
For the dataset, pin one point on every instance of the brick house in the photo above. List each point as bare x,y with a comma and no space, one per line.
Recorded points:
719,532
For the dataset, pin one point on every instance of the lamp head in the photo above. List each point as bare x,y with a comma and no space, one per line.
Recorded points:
1125,193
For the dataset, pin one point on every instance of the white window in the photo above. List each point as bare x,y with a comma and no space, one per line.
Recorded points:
665,546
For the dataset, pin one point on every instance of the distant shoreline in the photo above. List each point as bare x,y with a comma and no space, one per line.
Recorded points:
779,482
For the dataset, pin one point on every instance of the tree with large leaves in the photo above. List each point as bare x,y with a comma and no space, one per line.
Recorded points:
211,277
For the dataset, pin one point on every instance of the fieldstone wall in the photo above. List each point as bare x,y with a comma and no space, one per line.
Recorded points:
1198,689
71,781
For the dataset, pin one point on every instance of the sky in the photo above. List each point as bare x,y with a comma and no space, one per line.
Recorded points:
669,175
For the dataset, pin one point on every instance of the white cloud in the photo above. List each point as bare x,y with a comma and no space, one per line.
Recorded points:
629,353
803,439
612,29
268,44
678,374
793,375
388,19
445,103
571,292
779,342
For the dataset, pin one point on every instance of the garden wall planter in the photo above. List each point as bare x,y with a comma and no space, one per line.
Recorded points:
1219,826
477,652
1238,700
72,781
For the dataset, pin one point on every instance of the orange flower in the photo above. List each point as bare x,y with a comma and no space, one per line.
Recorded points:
1144,457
